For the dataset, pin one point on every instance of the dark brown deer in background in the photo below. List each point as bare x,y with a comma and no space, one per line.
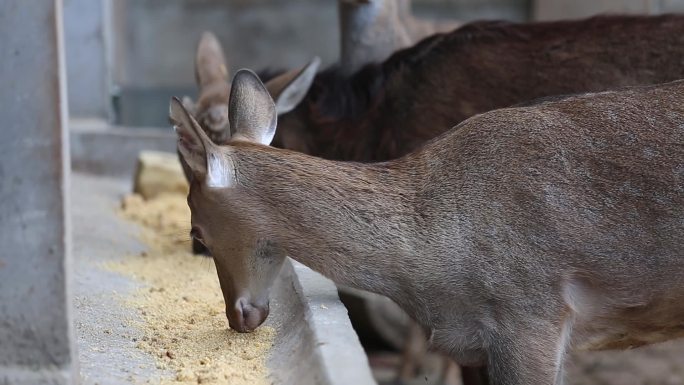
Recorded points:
512,238
386,110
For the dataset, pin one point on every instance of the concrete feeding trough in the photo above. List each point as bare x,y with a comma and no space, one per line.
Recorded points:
314,342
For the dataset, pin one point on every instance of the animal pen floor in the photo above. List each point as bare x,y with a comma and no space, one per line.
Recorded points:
107,335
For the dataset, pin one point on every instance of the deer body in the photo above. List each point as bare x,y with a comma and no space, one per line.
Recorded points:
434,220
518,234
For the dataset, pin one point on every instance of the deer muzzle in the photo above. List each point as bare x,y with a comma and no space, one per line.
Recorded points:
245,317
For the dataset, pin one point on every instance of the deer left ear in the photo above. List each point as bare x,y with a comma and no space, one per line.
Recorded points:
252,112
205,159
190,142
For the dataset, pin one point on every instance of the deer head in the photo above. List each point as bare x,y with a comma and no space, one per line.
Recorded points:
246,260
212,74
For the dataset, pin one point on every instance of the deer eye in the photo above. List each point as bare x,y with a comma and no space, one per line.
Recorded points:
196,234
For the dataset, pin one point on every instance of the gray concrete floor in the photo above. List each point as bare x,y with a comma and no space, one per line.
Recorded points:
106,344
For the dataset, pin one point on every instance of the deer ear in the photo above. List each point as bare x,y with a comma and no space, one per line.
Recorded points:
205,159
290,88
252,113
210,63
190,144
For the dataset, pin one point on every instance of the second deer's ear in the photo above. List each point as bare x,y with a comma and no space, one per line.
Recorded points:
290,88
210,63
252,112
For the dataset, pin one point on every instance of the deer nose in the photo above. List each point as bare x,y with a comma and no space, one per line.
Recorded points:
217,117
245,316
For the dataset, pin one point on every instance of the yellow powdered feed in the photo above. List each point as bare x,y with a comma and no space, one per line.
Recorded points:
183,320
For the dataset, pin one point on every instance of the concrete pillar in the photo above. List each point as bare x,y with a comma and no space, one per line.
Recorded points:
36,345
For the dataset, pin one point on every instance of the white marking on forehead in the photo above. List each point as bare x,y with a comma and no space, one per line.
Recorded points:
219,171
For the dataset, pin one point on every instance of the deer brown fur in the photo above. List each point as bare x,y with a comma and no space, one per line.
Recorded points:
512,238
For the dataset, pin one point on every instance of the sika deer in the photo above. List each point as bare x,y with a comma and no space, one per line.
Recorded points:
513,237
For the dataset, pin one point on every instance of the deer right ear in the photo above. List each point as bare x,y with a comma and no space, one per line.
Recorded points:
290,88
251,112
210,62
191,138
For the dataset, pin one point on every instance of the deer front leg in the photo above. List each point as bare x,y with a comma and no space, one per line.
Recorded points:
413,354
533,354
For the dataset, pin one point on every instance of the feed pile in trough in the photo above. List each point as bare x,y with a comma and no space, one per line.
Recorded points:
181,309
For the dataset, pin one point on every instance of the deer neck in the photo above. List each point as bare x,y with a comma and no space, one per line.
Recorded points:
354,223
